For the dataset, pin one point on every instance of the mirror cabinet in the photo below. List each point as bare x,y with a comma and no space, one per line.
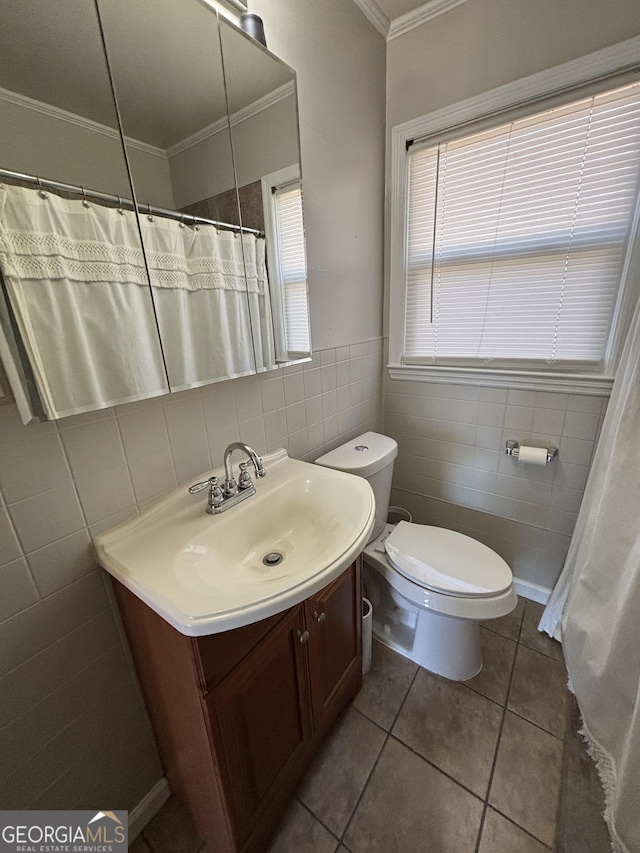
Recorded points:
151,235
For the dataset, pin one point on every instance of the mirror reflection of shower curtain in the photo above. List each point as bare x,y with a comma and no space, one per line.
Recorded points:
260,297
78,290
204,300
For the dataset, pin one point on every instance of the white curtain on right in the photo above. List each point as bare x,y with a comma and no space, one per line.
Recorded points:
601,617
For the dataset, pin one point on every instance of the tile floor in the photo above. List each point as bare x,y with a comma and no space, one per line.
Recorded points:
419,763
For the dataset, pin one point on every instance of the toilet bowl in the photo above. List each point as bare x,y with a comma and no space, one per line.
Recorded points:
430,587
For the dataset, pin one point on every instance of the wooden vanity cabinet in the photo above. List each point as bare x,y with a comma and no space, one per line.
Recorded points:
239,715
334,620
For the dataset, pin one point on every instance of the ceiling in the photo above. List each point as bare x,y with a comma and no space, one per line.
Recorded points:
164,55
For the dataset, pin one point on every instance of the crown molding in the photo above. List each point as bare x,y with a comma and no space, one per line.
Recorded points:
80,121
405,23
199,136
269,100
376,16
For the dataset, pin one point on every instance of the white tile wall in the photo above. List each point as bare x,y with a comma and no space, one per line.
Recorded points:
452,441
64,678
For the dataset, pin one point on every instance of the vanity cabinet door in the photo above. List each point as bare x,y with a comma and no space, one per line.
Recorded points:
260,717
335,645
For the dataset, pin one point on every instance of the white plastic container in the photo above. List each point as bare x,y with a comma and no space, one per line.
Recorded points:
367,625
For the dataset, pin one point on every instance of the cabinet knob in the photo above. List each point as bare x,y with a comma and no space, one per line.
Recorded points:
303,636
319,617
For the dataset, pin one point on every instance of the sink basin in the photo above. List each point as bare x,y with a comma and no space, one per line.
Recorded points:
209,573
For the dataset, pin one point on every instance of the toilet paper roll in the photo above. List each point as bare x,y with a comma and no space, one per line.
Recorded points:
532,455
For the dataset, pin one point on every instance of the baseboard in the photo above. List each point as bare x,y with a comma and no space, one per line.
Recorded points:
532,591
148,807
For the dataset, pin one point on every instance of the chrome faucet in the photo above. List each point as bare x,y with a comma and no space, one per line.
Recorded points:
231,493
230,486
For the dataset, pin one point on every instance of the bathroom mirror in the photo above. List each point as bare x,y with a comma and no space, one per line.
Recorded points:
224,124
177,285
263,110
78,325
165,62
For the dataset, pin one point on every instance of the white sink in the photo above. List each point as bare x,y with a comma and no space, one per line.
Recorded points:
205,573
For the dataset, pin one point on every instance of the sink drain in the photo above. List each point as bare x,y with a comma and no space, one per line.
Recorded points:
273,558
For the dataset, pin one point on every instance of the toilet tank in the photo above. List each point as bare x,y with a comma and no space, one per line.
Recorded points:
371,456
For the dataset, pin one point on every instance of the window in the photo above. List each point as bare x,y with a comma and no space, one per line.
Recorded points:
516,240
287,262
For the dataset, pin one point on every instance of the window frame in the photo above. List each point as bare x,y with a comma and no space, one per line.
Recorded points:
599,71
288,176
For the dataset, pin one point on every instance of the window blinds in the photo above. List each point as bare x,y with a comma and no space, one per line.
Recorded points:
519,233
292,265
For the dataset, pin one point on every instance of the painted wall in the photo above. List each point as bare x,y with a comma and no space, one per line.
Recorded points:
340,60
482,44
452,468
73,731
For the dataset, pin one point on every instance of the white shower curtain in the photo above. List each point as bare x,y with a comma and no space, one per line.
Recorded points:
595,607
76,280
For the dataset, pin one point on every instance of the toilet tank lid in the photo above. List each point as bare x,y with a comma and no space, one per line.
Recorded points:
365,455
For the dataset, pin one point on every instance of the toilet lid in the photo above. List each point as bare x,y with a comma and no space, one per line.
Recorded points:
446,561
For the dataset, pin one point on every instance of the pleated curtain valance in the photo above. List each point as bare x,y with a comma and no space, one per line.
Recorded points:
53,238
517,236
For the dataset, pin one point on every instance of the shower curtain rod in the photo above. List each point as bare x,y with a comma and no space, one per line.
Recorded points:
150,209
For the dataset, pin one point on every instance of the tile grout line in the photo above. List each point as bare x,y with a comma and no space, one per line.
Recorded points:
534,724
436,767
522,829
74,762
495,757
59,686
375,763
316,818
107,606
369,719
419,754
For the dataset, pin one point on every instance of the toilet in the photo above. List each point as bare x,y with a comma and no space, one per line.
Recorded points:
430,587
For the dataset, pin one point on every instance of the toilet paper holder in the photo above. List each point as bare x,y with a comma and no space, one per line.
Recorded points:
513,449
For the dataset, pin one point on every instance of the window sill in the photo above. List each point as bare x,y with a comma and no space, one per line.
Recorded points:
528,380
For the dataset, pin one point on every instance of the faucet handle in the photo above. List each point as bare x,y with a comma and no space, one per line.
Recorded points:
216,497
244,480
205,484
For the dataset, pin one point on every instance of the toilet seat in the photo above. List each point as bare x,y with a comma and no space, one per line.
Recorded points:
446,561
475,607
